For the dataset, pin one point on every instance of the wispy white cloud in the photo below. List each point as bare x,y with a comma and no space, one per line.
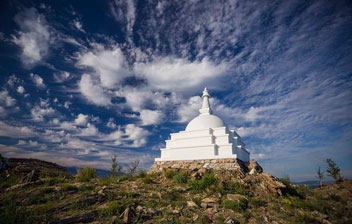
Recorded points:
93,92
33,37
7,130
150,117
20,89
180,75
5,99
108,64
38,81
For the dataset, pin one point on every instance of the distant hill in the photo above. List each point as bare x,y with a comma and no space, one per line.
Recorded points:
313,183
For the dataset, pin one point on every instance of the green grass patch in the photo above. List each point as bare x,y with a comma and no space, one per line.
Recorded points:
86,174
181,178
169,174
240,205
256,203
305,218
147,180
69,187
207,181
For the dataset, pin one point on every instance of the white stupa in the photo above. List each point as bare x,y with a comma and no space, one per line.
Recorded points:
205,137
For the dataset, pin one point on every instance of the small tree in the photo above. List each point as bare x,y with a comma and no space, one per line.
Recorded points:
2,160
113,166
320,175
333,170
133,166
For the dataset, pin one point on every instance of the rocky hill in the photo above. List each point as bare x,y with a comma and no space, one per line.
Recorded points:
34,191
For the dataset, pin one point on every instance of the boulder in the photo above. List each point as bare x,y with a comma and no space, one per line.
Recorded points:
191,204
253,164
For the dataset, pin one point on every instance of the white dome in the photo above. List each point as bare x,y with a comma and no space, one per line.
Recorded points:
204,121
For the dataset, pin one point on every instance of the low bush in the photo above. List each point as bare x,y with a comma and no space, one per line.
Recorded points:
85,187
142,174
51,181
147,180
113,208
256,203
86,174
207,181
240,205
304,218
230,187
181,178
334,197
69,187
169,174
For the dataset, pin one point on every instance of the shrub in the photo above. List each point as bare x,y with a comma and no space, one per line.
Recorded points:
256,203
169,174
333,170
233,188
207,181
229,204
113,208
240,205
86,174
51,181
84,187
335,197
147,180
181,178
142,174
69,187
304,218
196,186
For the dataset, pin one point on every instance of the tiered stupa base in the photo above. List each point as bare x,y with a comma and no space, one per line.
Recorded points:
229,164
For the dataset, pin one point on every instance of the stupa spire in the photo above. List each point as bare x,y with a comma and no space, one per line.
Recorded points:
205,106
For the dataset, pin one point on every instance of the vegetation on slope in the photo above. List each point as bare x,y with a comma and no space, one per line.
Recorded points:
174,196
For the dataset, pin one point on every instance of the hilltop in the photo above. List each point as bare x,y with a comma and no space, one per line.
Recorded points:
35,191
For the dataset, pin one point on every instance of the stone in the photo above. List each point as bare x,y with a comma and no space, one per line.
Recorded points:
176,212
230,221
114,219
191,204
235,197
139,208
253,164
153,211
209,200
128,215
81,218
195,217
204,205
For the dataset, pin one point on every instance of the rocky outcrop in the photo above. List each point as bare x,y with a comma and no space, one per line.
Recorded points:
254,167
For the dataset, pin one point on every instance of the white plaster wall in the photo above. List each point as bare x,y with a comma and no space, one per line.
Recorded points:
222,139
219,131
198,141
191,134
189,153
225,150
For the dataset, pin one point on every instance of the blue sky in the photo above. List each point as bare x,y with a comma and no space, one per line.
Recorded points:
82,81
